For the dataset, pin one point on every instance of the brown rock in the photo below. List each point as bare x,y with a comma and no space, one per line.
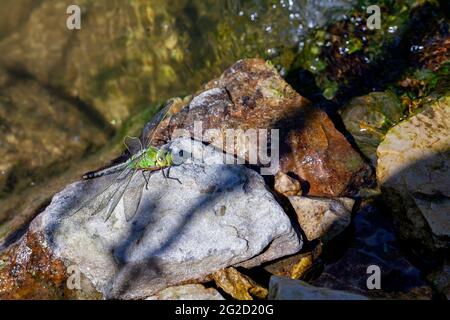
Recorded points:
28,270
238,285
286,185
323,157
252,95
296,266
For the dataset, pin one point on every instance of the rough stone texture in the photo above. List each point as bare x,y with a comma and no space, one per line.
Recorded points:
238,285
322,218
414,171
369,117
252,95
373,242
286,185
221,215
323,158
295,266
29,270
281,288
187,292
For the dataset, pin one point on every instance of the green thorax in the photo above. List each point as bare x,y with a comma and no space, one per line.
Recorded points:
152,158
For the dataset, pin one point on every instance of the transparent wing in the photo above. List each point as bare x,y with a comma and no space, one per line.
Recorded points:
105,193
133,144
117,195
150,128
132,199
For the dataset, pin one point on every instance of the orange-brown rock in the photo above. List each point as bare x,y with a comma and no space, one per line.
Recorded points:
238,285
252,95
28,270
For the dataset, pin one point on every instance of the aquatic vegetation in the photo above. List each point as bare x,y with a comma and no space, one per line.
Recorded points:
369,117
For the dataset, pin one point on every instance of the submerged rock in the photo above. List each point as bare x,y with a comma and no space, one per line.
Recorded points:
128,53
187,292
281,288
42,136
369,117
373,243
56,133
414,171
322,218
251,95
221,215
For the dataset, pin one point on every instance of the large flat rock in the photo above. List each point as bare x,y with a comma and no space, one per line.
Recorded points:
221,215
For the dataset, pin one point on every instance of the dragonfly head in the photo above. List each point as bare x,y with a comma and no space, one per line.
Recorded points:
164,158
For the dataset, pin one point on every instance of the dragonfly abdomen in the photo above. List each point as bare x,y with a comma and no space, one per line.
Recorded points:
102,172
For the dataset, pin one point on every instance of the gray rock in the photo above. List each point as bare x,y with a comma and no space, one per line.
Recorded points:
221,215
414,170
187,292
281,288
321,217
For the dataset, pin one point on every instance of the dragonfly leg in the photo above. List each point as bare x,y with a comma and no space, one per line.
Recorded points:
164,175
146,180
169,177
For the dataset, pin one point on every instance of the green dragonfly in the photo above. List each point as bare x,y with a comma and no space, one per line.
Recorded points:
144,158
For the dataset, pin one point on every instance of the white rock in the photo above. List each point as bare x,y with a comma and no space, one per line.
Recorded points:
221,215
414,172
281,288
322,217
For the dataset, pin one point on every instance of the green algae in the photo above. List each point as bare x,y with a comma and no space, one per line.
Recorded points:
369,117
